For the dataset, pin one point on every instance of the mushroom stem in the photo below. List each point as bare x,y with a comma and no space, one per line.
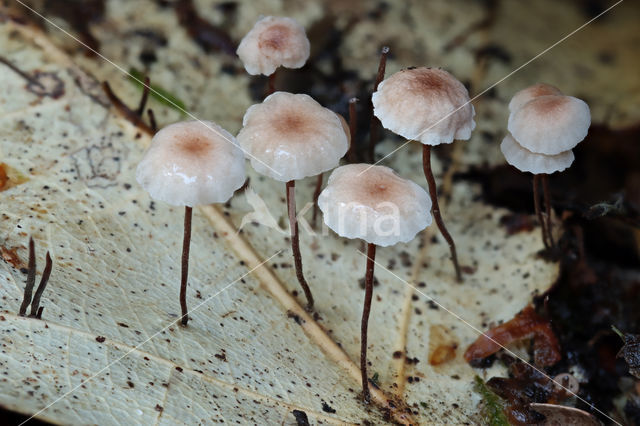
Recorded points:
373,128
144,98
538,210
316,194
31,279
272,83
295,241
435,209
186,243
152,120
353,123
547,205
368,294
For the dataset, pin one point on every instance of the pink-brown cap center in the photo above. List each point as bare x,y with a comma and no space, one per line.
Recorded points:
275,37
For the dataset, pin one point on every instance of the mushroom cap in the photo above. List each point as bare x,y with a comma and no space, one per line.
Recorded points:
289,137
531,92
550,124
273,42
374,204
527,161
191,163
425,104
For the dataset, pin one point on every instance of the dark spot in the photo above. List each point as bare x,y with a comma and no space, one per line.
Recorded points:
100,339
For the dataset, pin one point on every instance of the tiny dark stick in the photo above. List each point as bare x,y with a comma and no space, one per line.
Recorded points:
35,304
368,294
272,83
547,206
536,206
316,195
295,241
144,98
152,120
125,110
31,279
39,314
21,73
186,243
373,127
353,125
435,209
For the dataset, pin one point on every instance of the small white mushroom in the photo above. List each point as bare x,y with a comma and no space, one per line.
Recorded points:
271,43
545,126
550,124
191,163
431,106
425,104
376,205
289,137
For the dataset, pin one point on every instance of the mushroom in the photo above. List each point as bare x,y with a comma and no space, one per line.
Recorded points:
544,128
271,43
191,163
431,106
374,204
290,137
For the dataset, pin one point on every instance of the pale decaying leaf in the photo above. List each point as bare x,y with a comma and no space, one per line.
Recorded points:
251,353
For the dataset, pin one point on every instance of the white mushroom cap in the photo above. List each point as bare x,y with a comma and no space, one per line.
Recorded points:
425,104
531,92
192,163
289,137
550,124
527,161
273,42
374,204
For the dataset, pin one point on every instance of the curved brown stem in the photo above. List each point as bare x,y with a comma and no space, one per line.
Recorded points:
186,244
353,124
435,209
31,279
364,325
316,195
538,210
547,206
295,241
35,304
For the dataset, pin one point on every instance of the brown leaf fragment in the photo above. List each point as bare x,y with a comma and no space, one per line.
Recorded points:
525,325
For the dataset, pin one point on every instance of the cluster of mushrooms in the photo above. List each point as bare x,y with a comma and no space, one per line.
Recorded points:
289,136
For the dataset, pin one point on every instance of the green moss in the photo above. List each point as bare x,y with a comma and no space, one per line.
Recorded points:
493,405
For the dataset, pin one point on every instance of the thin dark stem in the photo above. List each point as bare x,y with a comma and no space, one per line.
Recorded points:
144,98
272,83
435,209
536,206
43,284
373,128
125,110
21,73
186,244
547,206
316,194
368,294
295,241
152,120
31,279
353,124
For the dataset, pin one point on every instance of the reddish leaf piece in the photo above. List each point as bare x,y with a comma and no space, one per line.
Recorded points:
525,325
